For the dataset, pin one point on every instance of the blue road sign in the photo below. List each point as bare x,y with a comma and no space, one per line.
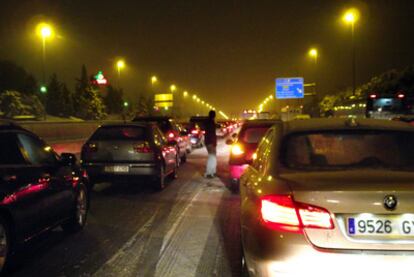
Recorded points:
288,88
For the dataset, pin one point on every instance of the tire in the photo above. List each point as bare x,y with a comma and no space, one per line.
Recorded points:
174,174
78,220
5,244
244,270
159,183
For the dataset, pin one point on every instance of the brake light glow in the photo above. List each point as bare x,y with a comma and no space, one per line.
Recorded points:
400,95
142,148
194,132
171,135
281,212
237,150
372,96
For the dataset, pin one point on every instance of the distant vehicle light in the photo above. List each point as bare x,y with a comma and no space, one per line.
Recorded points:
195,132
372,96
171,135
400,95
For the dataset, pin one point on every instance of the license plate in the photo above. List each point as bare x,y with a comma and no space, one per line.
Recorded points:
117,168
387,226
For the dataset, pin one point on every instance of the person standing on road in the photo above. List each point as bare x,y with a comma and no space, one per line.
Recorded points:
211,145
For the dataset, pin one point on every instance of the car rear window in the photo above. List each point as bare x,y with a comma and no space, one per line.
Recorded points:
120,133
253,135
346,149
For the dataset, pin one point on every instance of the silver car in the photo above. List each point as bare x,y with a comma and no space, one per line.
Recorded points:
330,197
129,152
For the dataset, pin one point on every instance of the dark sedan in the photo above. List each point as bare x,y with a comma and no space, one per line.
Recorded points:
39,189
125,151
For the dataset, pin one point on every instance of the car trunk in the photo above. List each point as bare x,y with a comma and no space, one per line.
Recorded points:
355,200
119,151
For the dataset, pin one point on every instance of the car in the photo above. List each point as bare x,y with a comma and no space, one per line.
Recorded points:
197,130
244,145
330,197
172,132
129,152
39,190
185,135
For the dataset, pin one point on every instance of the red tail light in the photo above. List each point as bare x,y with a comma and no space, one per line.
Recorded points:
89,148
281,212
372,96
142,148
195,132
171,135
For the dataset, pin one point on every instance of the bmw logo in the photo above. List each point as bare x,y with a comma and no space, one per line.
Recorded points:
390,202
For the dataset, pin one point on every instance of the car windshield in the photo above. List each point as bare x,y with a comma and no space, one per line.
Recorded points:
119,133
350,150
253,134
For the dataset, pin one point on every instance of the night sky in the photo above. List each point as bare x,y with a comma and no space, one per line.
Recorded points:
228,52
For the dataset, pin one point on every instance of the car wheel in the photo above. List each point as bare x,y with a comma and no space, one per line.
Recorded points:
244,270
5,243
78,220
160,180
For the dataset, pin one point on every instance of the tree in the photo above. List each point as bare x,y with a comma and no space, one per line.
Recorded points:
87,102
14,103
59,100
114,100
15,78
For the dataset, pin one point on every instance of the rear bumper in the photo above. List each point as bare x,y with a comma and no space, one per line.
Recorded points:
274,253
100,171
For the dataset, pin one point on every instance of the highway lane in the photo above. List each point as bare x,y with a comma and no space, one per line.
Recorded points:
189,229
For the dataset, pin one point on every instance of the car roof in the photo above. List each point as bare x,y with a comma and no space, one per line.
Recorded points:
128,124
315,124
152,118
6,125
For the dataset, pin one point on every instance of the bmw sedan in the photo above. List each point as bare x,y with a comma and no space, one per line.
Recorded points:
39,190
330,197
129,152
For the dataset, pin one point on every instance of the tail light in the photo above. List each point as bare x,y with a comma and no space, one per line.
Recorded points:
89,148
281,212
204,132
194,132
237,150
171,135
142,148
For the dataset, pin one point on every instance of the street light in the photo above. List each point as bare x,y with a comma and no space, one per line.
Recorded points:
173,88
185,93
44,31
350,17
154,80
120,64
313,53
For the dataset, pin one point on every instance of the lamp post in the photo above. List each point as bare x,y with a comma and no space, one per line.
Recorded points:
350,17
120,64
45,32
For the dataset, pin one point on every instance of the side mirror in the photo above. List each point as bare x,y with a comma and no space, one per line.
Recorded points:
234,135
68,159
229,141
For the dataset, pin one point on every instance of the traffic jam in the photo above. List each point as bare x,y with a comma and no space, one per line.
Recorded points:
206,138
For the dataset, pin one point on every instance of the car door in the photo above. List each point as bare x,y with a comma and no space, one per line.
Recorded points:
22,191
56,179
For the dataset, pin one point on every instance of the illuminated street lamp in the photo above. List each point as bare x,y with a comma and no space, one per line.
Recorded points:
194,97
45,32
313,53
185,93
120,64
154,80
173,88
350,17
